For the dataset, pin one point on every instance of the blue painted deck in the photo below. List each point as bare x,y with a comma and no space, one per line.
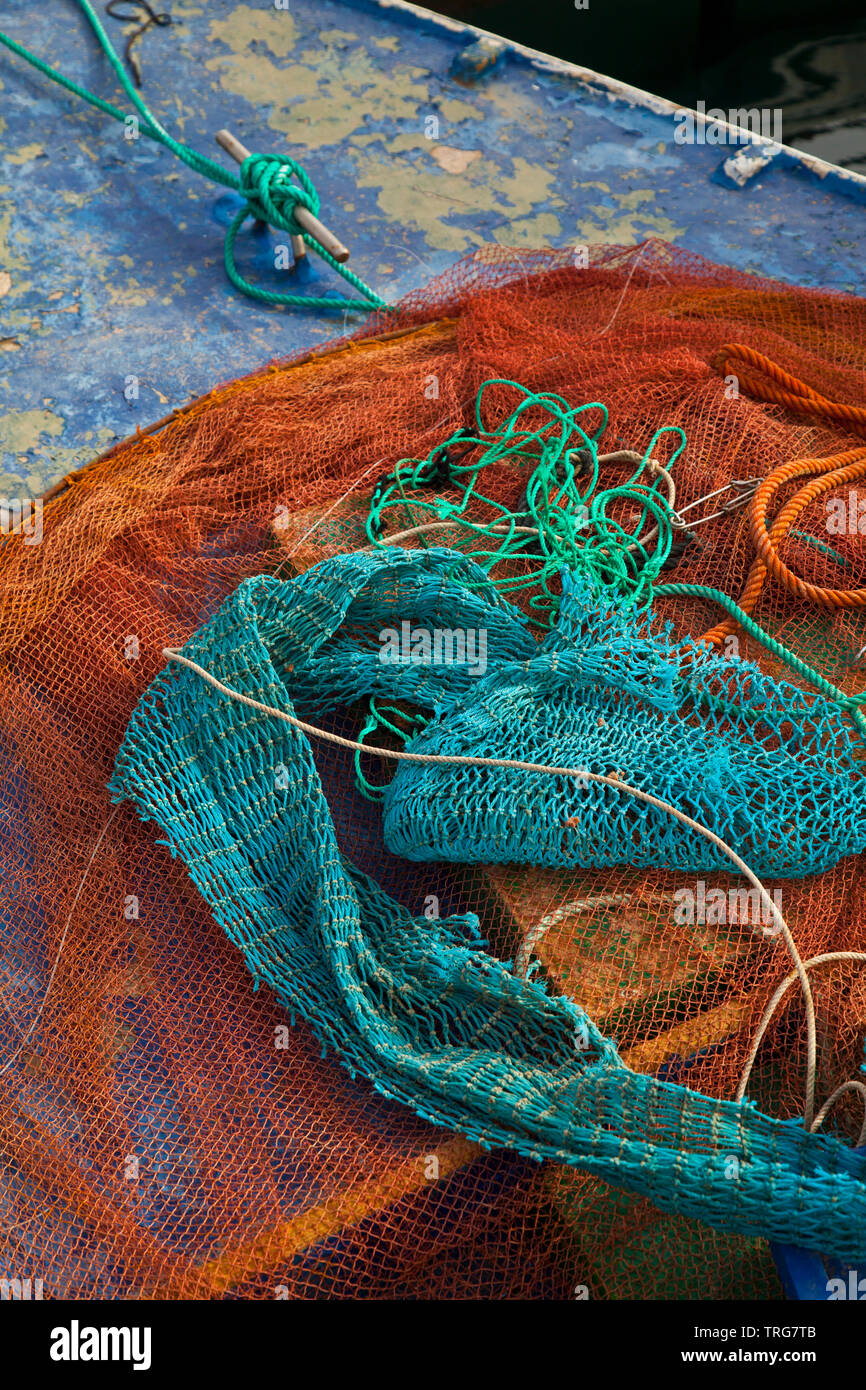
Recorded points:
112,251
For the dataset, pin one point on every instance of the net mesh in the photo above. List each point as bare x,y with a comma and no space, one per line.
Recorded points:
166,1133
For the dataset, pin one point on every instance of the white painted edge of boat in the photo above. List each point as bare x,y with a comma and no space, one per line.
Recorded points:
618,91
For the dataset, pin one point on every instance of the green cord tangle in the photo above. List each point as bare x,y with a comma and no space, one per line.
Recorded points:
272,185
564,522
565,526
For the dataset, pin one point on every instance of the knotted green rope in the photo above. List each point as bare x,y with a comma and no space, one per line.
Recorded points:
272,185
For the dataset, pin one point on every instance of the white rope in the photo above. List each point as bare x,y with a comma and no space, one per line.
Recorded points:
825,1108
535,933
459,760
765,1023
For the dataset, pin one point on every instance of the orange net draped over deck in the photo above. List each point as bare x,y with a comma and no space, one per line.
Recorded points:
165,1132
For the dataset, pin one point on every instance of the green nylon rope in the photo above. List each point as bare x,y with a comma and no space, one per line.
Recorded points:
850,703
272,185
377,719
822,546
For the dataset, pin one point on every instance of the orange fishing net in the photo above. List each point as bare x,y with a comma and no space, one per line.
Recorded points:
165,1132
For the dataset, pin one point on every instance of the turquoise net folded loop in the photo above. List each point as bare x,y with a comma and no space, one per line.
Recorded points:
415,1005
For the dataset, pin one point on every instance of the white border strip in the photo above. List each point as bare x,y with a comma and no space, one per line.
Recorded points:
622,91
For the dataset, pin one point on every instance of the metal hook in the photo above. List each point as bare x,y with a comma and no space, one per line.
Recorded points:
744,490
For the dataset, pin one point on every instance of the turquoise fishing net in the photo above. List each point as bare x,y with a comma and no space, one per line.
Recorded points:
415,1005
766,766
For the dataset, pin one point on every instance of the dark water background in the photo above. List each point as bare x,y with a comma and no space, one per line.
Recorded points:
807,59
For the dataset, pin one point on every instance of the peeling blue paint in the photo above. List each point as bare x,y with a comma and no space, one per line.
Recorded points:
115,251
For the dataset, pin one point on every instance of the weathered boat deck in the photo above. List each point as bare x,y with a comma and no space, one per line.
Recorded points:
113,250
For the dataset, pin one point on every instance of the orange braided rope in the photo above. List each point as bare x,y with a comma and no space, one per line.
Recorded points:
759,374
833,471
